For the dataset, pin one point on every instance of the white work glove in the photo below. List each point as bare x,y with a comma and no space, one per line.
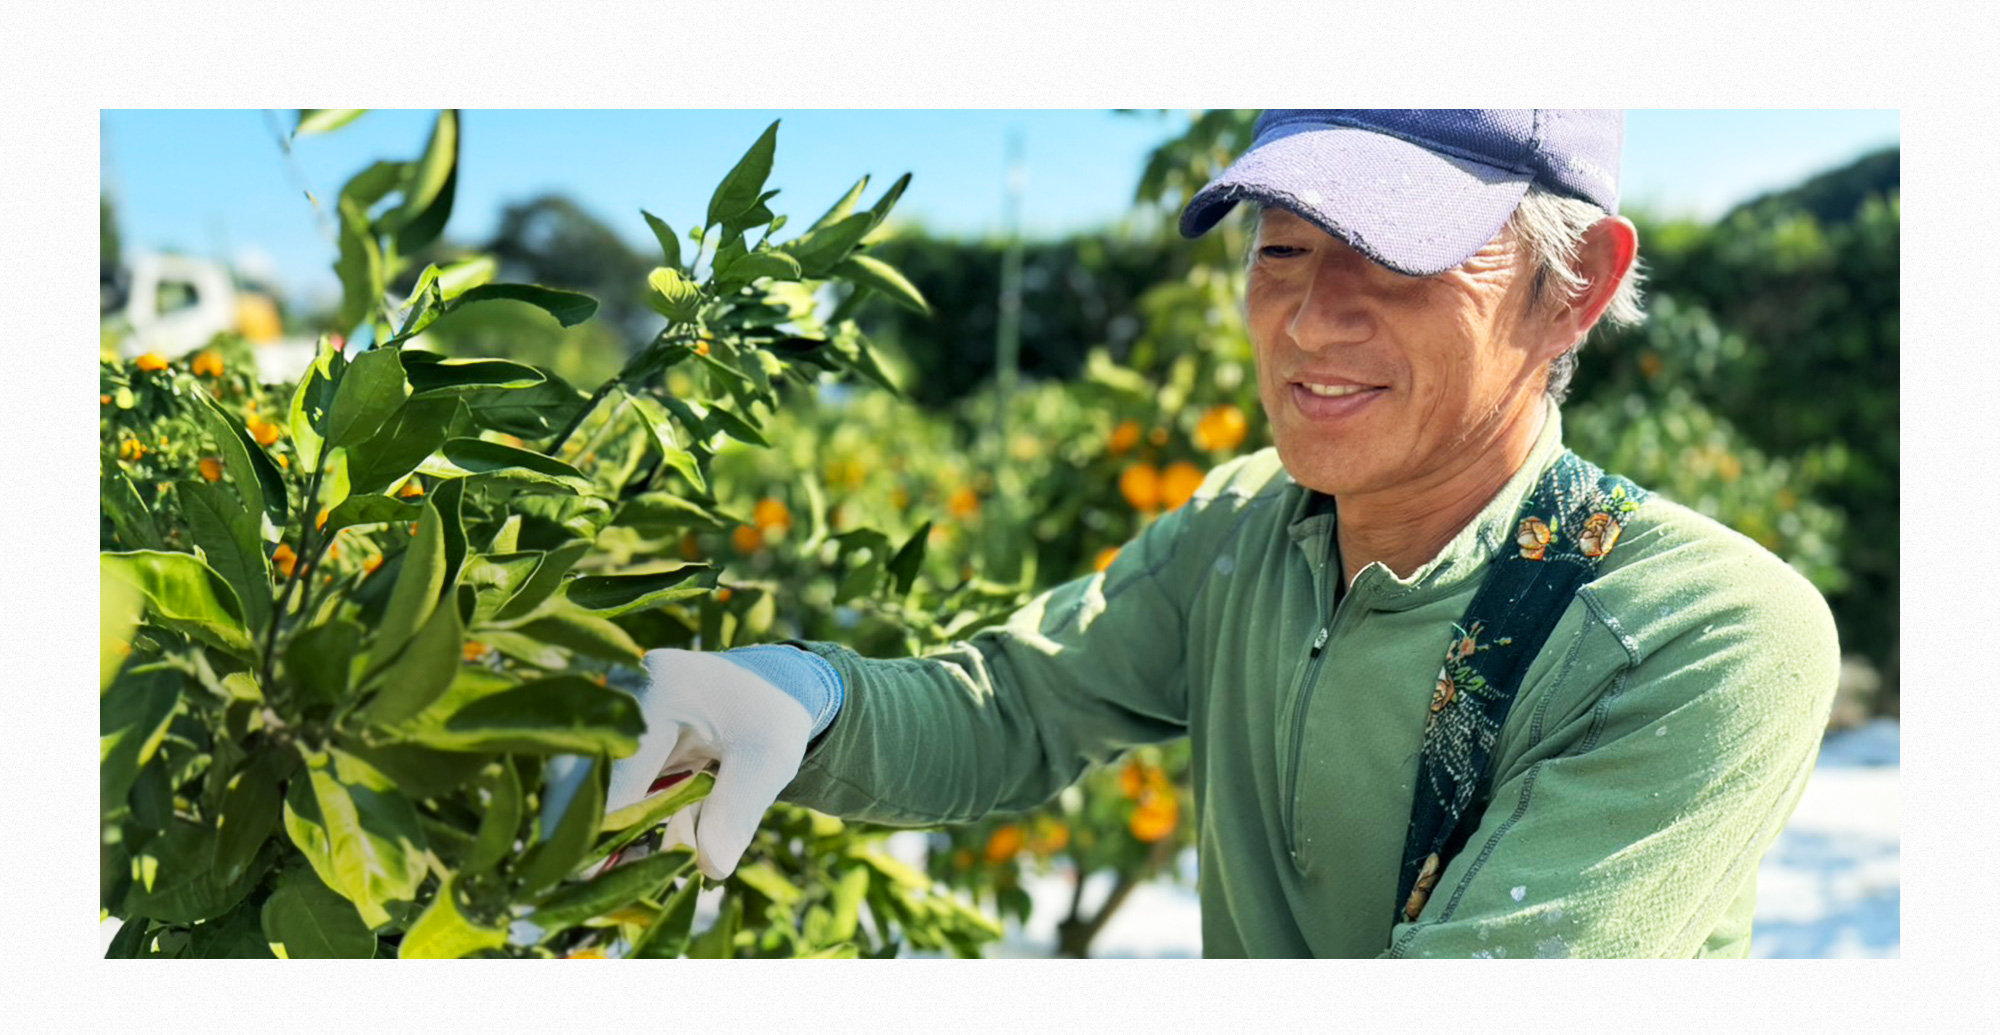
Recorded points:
716,708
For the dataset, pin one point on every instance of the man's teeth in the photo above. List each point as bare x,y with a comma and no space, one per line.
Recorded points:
1335,391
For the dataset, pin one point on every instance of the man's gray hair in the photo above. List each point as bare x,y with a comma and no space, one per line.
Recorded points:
1551,228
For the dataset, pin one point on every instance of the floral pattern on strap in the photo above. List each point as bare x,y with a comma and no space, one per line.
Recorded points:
1509,620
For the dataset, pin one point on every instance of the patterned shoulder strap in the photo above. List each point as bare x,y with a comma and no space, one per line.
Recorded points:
1569,523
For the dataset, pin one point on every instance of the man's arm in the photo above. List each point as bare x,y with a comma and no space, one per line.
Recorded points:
1631,826
1008,718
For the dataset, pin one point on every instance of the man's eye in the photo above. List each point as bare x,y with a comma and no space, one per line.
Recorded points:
1279,251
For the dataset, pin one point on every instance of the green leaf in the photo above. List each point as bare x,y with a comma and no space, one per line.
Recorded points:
251,805
372,184
304,919
420,772
672,294
557,715
534,412
841,208
445,932
558,852
767,881
909,559
418,586
324,120
735,427
358,832
248,468
131,721
611,595
500,820
820,248
127,511
741,188
428,192
754,265
120,609
185,595
667,938
655,514
670,245
372,390
900,873
407,438
880,210
660,426
184,887
544,582
611,890
585,634
870,272
848,893
359,511
434,375
462,276
568,307
420,673
644,814
497,577
473,457
719,941
308,412
318,659
130,941
359,267
526,649
232,539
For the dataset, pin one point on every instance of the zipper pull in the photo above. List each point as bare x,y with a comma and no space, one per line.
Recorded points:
1319,642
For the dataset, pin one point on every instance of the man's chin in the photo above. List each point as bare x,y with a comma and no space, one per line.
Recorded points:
1319,466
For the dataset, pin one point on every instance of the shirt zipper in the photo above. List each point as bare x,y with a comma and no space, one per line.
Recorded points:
1315,658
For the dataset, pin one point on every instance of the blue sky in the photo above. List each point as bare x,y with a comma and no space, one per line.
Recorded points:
216,183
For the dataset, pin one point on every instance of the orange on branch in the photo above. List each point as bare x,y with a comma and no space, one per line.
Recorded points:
1221,429
1140,485
771,514
1004,844
1178,483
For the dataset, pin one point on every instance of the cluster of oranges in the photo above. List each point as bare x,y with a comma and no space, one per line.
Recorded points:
1149,488
1044,837
1158,808
769,516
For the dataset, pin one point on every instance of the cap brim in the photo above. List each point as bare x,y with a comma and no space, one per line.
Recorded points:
1413,210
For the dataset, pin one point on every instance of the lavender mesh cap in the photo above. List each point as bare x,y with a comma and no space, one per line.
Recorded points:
1416,189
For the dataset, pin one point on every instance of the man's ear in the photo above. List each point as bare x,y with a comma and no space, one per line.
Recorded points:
1607,253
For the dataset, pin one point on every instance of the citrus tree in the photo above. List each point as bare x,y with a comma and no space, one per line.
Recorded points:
350,628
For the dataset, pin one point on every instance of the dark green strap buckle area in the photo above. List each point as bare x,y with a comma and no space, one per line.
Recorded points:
1569,523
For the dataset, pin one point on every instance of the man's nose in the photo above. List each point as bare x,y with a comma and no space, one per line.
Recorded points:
1336,309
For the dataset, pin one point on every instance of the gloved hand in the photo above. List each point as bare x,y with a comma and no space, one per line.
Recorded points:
750,711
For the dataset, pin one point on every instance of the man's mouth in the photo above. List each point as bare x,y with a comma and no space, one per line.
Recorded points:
1334,391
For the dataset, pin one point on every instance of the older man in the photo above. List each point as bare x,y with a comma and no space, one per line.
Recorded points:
1452,691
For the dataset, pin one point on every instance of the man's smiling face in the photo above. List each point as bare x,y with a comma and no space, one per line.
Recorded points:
1375,381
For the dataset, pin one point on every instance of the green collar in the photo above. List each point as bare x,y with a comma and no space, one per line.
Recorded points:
1462,562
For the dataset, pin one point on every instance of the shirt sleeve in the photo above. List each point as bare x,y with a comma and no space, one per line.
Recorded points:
1006,719
1632,826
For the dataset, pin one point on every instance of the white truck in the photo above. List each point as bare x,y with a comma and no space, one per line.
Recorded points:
174,304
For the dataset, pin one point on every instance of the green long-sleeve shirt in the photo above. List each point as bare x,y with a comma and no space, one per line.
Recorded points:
1659,741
